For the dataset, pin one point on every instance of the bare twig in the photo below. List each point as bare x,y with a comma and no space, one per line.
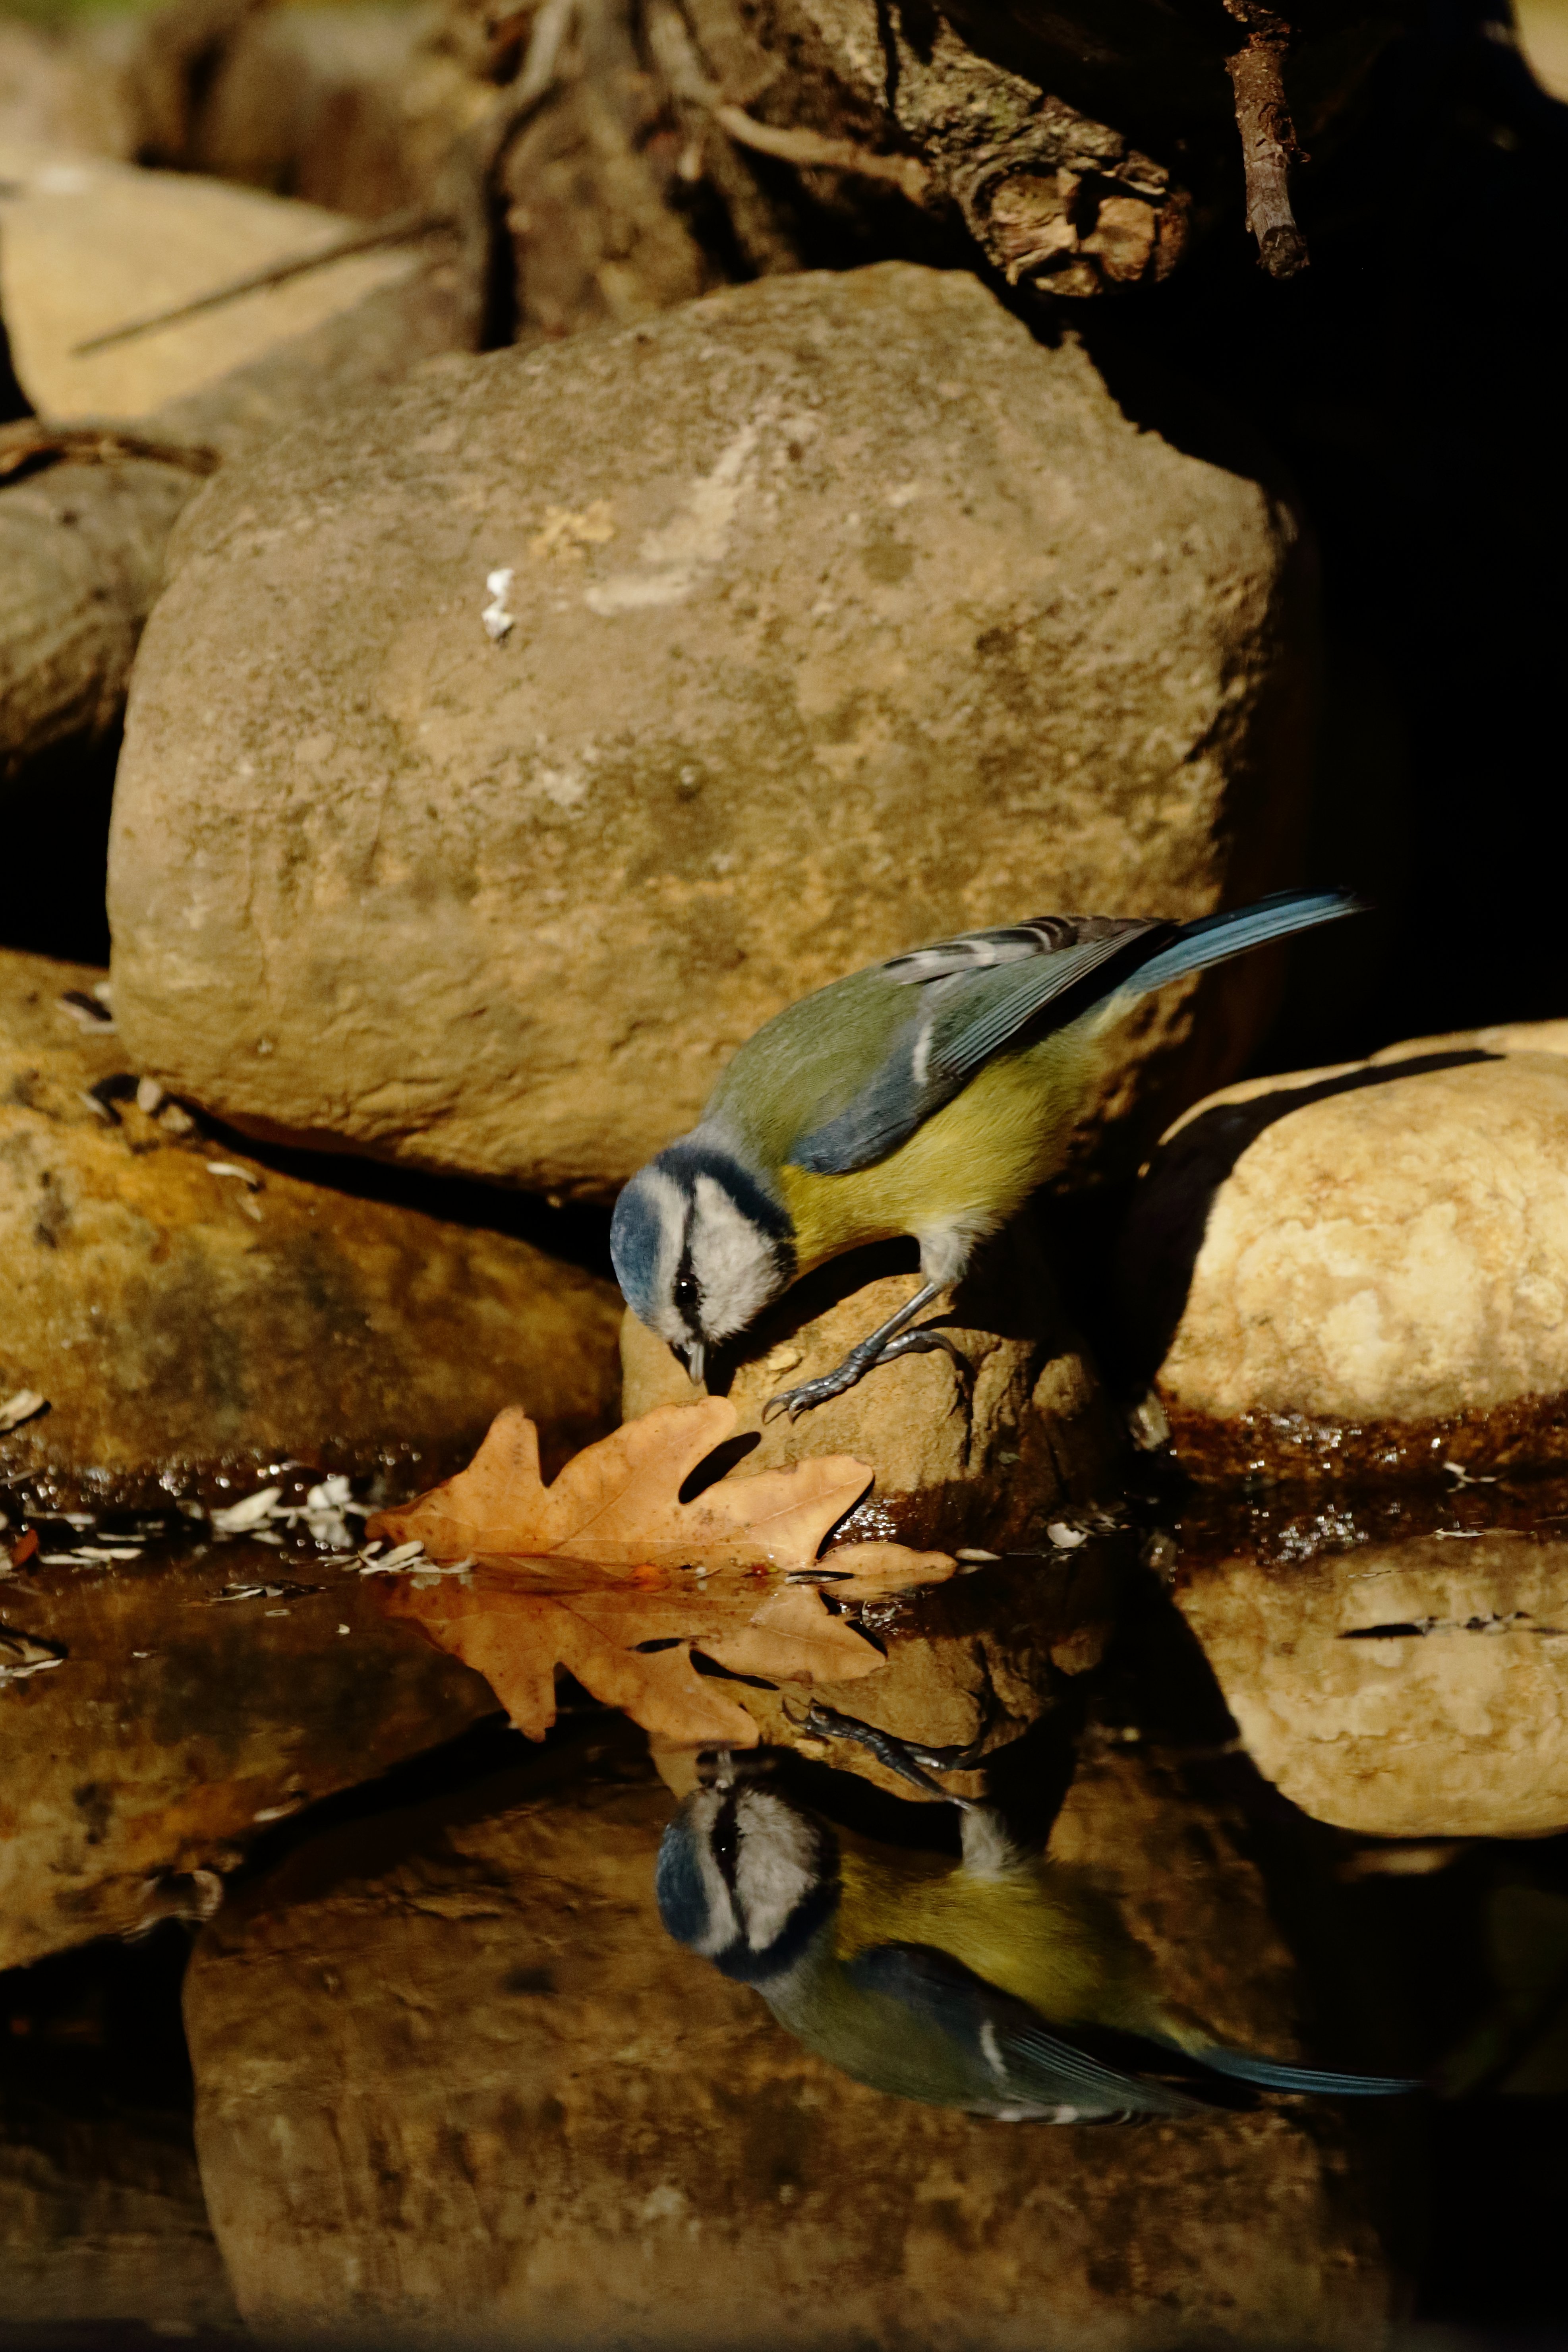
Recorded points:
810,147
32,443
400,228
1268,145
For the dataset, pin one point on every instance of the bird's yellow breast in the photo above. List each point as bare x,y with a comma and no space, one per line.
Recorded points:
1029,1931
972,1163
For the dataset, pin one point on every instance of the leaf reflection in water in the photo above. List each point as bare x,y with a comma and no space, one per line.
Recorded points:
611,1574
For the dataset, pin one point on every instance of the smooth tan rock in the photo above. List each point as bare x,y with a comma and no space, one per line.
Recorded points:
1404,1689
90,244
884,620
183,1309
1362,1269
178,1724
1036,1433
450,2069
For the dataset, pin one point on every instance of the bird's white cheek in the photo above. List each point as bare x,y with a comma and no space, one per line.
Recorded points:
777,1868
735,1265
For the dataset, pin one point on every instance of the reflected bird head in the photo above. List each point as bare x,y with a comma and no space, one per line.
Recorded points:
746,1878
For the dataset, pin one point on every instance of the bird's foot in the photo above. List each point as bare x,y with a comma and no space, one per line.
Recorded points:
865,1359
910,1762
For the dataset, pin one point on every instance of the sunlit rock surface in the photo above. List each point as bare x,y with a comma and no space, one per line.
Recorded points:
1363,1270
93,244
449,2069
179,1724
988,1461
884,621
1403,1687
181,1307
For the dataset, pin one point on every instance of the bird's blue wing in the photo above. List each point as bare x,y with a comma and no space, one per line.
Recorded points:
976,992
1010,2043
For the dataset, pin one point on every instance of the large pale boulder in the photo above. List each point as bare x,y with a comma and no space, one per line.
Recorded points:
450,2070
1403,1688
840,612
1363,1270
184,1311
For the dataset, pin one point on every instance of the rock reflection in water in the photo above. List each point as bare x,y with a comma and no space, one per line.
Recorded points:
448,2063
1404,1674
180,1723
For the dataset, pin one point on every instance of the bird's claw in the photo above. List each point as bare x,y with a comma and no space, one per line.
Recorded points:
912,1763
861,1360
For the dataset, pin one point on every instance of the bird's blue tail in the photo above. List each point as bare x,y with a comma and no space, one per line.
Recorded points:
1215,937
1274,2074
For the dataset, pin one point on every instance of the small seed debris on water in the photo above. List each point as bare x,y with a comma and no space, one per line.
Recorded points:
24,1404
245,1176
21,1655
239,1518
88,1012
397,1558
149,1096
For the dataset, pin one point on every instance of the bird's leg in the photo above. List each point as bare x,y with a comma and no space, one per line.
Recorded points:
899,1756
889,1339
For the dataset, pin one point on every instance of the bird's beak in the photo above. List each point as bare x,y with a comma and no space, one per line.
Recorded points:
695,1358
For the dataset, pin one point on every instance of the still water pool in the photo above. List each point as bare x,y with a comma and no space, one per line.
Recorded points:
334,2006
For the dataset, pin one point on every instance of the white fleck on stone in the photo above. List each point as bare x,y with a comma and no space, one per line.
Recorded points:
497,620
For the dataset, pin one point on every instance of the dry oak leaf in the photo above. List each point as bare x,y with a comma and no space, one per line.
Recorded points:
610,1575
620,1500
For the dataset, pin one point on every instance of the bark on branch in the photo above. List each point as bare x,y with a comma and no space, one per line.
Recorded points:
1268,145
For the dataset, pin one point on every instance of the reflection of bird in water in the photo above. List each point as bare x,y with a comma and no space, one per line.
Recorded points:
929,1095
1000,1985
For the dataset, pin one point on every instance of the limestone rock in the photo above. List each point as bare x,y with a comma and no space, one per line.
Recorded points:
885,621
1414,1688
179,1724
1362,1269
182,1308
1036,1436
91,245
451,2067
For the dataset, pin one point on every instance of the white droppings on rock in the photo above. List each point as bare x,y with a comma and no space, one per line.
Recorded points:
495,616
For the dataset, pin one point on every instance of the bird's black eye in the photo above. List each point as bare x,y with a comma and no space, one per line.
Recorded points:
688,1298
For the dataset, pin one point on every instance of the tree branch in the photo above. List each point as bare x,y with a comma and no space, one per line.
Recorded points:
1268,145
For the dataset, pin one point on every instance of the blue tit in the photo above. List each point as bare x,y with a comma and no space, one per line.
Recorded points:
926,1096
1003,1986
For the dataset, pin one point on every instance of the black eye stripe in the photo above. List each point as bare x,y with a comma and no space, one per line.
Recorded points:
724,1841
